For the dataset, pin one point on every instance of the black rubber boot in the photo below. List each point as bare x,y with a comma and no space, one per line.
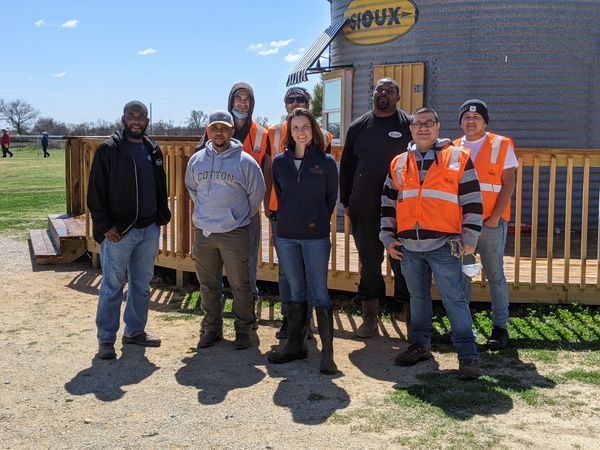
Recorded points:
295,347
325,324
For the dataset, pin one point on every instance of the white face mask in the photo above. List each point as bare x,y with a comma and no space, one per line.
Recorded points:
238,114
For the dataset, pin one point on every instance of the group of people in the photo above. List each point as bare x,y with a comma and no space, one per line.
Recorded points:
429,202
5,143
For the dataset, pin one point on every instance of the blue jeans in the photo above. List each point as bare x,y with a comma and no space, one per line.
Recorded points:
417,268
491,249
284,285
254,229
306,265
132,257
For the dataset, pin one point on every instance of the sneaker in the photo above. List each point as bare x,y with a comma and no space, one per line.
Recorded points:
209,338
106,350
412,355
142,339
468,369
499,339
242,341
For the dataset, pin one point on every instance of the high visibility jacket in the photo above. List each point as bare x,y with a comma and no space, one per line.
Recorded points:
255,143
277,136
434,205
489,165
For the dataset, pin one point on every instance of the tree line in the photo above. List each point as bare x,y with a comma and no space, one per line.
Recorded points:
23,118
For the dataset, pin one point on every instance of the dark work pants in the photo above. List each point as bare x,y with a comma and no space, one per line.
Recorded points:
45,148
370,253
6,151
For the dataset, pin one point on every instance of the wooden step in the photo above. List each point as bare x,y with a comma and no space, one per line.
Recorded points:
43,246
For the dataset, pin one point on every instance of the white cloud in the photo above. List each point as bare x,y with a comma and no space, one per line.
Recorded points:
295,56
70,23
271,48
147,51
40,23
59,74
279,44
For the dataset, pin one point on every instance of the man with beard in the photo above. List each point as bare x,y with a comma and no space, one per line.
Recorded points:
127,199
372,141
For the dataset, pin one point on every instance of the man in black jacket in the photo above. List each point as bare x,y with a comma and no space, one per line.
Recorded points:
127,199
372,141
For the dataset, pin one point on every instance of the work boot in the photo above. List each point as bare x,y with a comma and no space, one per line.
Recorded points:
295,347
325,325
106,350
370,311
499,339
209,338
412,355
468,369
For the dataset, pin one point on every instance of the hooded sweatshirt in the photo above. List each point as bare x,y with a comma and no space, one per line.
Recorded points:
240,134
227,188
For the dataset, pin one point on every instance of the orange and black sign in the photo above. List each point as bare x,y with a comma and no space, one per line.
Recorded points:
376,21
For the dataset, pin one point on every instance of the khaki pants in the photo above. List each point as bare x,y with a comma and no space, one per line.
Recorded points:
210,254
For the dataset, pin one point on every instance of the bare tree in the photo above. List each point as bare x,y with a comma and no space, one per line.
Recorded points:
262,121
18,113
197,121
51,126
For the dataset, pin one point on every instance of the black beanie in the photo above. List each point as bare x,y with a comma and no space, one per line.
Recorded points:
474,105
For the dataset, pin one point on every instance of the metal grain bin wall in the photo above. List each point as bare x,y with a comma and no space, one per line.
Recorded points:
536,64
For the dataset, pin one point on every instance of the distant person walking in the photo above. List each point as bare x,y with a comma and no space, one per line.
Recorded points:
45,144
127,198
5,142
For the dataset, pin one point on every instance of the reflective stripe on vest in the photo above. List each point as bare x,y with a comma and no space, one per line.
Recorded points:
260,134
434,204
277,139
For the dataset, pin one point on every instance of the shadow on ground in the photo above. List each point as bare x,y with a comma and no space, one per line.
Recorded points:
106,379
218,370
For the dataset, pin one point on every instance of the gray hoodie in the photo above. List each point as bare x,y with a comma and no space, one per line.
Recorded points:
226,188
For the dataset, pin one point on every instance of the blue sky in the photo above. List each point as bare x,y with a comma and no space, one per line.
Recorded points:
79,61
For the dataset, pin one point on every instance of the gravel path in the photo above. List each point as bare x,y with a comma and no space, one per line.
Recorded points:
54,394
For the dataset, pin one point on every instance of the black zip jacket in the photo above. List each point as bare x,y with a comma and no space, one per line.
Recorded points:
306,197
112,190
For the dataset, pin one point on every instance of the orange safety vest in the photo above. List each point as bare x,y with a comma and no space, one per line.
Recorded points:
277,136
434,204
489,165
255,143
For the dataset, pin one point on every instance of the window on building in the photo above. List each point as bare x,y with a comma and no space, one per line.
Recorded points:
337,103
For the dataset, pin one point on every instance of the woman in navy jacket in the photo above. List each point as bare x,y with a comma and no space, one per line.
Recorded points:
306,184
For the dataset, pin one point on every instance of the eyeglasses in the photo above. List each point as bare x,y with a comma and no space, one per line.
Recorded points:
298,99
419,125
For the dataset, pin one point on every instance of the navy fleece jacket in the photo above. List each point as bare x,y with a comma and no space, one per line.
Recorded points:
306,196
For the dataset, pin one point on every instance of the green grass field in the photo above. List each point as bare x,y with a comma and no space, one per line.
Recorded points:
32,188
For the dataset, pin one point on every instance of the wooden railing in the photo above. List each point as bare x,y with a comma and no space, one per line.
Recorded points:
541,266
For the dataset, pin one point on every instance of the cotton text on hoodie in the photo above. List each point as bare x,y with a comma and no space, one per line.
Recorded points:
227,188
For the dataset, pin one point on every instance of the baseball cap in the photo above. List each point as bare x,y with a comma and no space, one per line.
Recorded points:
220,116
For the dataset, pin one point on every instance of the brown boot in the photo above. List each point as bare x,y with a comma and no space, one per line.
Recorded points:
325,324
370,311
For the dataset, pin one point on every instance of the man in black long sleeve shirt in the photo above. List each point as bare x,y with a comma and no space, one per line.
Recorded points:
372,141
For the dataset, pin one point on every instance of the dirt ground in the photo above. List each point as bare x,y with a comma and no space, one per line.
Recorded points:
55,394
